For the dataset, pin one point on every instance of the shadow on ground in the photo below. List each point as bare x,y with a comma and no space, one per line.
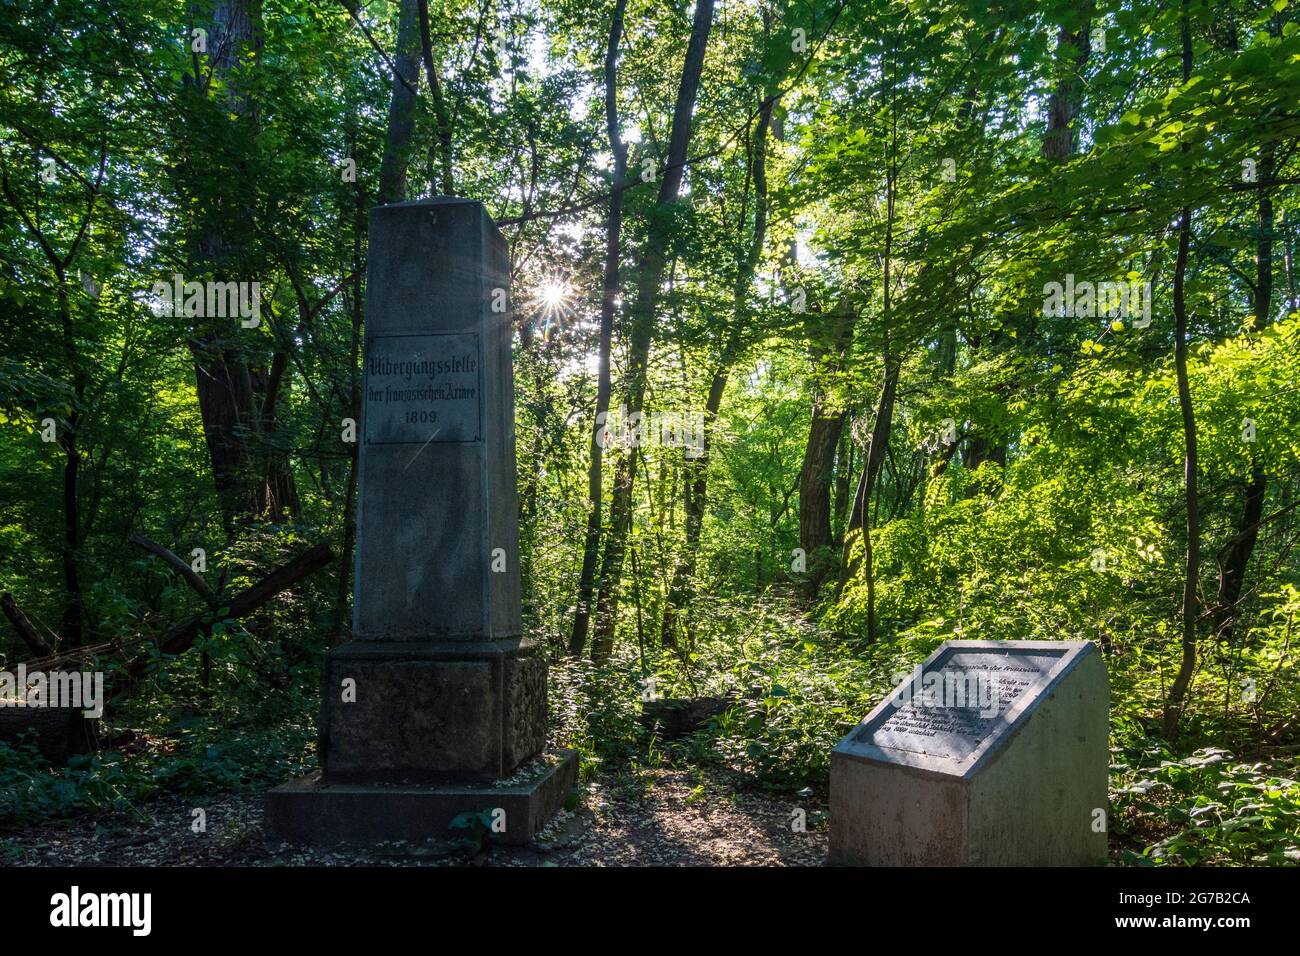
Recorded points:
632,817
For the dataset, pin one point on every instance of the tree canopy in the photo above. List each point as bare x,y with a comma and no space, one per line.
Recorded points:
842,328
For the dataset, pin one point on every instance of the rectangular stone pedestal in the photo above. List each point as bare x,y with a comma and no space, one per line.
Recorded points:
994,753
437,712
313,812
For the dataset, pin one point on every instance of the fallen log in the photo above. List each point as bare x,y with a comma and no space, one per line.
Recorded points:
57,731
181,637
35,643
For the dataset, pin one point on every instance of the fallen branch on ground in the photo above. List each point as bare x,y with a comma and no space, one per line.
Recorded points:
175,640
35,643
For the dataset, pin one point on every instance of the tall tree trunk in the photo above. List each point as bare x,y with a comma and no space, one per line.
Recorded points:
401,106
224,388
650,276
225,383
1191,571
609,296
697,468
1062,137
441,115
816,537
1232,565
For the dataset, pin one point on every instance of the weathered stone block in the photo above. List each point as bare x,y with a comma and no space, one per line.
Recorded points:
994,753
432,712
437,510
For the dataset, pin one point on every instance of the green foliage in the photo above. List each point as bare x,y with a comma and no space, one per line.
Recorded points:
595,709
803,696
1031,484
473,828
191,760
31,792
1218,811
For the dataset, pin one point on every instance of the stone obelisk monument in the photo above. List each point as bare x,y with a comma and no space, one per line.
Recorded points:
439,697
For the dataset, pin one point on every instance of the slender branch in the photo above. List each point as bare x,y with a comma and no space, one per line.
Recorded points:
177,564
37,644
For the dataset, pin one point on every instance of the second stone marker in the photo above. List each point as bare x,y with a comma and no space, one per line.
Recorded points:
993,753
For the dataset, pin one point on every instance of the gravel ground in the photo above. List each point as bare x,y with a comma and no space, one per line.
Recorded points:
660,817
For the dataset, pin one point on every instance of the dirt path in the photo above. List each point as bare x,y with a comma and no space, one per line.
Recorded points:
656,817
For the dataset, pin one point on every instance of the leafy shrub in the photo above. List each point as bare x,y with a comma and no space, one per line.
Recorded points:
1212,810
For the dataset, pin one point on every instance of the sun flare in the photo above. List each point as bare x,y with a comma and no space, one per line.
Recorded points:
554,294
550,303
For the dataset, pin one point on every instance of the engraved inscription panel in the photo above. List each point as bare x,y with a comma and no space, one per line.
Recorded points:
959,701
424,388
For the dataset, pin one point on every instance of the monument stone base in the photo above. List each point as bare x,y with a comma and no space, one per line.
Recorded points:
310,811
417,733
431,712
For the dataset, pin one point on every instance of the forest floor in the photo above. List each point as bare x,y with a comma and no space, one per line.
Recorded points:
642,817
